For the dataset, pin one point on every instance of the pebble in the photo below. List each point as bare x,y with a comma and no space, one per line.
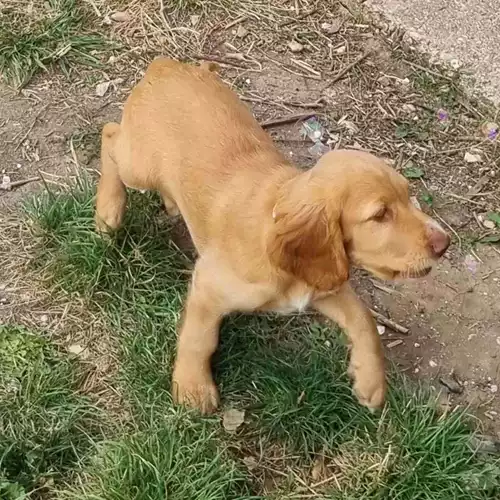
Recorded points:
494,388
381,329
432,363
295,46
241,32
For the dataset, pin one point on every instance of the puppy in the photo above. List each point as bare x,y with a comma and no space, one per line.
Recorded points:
269,236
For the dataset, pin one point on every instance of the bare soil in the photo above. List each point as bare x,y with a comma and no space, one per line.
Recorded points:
387,104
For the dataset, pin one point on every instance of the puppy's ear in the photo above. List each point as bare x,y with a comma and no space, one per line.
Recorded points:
308,243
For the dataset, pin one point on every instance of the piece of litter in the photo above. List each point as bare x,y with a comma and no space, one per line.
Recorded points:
472,158
313,129
319,149
471,263
6,184
394,343
381,329
233,419
443,115
490,130
120,17
432,364
102,88
295,46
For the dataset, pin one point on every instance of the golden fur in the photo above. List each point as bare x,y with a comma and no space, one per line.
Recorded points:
269,236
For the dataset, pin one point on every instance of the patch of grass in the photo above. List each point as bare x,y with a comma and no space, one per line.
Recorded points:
46,427
32,37
178,462
288,374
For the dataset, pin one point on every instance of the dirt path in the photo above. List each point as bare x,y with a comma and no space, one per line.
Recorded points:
388,103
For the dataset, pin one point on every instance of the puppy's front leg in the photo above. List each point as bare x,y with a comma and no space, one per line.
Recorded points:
367,358
192,382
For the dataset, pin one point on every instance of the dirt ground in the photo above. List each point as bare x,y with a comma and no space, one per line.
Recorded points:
387,104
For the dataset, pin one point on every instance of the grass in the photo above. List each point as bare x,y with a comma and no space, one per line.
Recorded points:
33,37
47,427
287,374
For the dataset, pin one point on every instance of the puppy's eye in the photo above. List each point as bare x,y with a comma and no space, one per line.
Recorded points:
381,214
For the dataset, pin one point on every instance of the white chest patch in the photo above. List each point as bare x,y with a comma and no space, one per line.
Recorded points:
295,303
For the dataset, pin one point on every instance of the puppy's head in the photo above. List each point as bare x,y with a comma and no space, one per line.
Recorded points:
353,207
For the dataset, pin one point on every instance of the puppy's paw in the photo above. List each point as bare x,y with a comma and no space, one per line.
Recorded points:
370,385
195,390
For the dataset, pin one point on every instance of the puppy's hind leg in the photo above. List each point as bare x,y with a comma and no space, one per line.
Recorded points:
111,193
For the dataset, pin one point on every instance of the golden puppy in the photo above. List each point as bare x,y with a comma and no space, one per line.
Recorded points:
269,237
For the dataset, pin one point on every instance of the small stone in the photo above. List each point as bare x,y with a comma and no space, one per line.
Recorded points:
44,319
416,344
493,388
432,363
328,343
295,46
381,329
408,108
472,158
332,27
341,50
241,32
489,224
451,384
195,19
102,88
233,419
120,17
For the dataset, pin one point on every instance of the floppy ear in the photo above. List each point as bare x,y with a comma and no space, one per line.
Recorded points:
309,245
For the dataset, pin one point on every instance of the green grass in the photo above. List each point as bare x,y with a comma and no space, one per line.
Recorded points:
46,427
288,374
55,32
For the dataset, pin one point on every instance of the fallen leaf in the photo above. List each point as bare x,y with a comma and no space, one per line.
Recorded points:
295,46
250,462
411,171
76,349
120,17
494,217
102,88
233,419
472,158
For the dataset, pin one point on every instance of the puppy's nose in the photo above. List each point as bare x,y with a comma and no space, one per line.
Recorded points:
438,240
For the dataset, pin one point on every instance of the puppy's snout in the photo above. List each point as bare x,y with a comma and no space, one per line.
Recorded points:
438,240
